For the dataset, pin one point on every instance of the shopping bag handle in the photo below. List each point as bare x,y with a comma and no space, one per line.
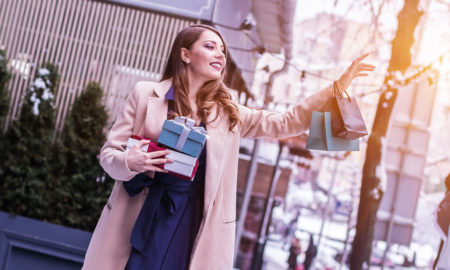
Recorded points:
337,90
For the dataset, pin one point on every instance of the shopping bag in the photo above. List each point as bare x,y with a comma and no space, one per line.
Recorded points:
443,216
444,258
334,143
347,121
316,139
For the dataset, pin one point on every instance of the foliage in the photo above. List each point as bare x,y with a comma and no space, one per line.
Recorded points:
4,93
84,188
27,151
56,181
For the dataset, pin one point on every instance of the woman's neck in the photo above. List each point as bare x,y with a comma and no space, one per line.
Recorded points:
195,84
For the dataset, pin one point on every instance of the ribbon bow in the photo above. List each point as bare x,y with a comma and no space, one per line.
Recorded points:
160,195
188,125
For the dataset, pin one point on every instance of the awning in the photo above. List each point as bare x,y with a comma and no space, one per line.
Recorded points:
275,21
273,31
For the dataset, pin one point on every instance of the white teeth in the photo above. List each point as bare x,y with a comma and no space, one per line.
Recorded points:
216,65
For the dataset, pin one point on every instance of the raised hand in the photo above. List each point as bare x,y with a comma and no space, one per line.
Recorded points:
356,69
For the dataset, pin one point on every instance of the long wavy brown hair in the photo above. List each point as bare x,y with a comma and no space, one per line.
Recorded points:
211,93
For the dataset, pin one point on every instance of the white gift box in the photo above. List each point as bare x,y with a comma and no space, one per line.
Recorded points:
183,165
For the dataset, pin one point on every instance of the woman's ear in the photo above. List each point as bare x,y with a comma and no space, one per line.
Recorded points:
185,55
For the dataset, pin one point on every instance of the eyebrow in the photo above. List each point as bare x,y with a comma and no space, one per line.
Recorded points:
210,40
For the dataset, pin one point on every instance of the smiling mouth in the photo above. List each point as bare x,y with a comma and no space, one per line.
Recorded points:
216,65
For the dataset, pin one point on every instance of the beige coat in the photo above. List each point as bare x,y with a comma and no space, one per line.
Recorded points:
144,113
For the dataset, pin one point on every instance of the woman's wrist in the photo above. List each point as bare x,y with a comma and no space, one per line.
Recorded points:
337,88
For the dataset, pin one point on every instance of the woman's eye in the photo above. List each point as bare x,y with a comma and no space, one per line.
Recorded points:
209,46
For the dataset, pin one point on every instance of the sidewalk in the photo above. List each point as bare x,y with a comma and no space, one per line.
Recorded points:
275,257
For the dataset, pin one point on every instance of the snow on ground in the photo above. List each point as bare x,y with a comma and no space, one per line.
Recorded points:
425,236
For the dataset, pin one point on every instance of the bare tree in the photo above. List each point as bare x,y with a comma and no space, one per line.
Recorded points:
371,191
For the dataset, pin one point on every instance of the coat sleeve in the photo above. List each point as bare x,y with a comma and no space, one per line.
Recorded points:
263,123
113,157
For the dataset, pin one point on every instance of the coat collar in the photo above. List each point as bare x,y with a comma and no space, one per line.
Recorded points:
162,88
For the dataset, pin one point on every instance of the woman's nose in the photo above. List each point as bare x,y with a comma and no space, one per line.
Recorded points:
220,53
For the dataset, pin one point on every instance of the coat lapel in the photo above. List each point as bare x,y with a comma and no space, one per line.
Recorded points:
154,120
156,106
215,148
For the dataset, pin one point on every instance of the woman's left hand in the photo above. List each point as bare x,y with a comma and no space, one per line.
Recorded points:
356,69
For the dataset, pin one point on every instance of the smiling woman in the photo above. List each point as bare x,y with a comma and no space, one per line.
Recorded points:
198,77
170,223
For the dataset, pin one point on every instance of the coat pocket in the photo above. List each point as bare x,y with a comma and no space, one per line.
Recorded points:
229,223
228,204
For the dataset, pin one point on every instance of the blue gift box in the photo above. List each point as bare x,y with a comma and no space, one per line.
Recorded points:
180,134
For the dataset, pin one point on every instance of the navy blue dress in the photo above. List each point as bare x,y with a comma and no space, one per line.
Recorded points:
170,218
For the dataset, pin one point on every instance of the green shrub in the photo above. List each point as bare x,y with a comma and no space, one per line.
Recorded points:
5,76
56,181
27,151
84,186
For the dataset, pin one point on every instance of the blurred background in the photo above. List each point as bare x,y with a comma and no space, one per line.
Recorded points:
67,66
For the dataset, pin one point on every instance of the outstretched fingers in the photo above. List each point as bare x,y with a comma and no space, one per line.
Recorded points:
361,74
366,68
361,57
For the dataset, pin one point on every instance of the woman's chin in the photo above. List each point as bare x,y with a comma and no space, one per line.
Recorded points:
212,77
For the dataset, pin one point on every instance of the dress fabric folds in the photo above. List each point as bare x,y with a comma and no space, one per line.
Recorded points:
167,226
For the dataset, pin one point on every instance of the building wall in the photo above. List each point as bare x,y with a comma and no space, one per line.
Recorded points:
88,40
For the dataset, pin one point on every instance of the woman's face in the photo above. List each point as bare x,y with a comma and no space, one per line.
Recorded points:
206,58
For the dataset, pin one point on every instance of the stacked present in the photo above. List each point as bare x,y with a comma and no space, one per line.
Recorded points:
184,142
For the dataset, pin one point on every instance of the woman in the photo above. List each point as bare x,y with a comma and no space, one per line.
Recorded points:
193,83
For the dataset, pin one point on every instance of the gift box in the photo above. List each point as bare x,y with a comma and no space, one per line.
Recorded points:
183,166
181,135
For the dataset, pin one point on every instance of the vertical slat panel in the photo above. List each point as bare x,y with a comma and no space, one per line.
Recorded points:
4,19
156,44
88,40
12,20
40,32
102,44
151,43
9,26
126,79
148,24
19,49
66,54
142,41
94,38
34,48
13,33
57,36
60,52
118,59
29,38
47,30
118,15
107,67
168,43
54,22
74,61
135,39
